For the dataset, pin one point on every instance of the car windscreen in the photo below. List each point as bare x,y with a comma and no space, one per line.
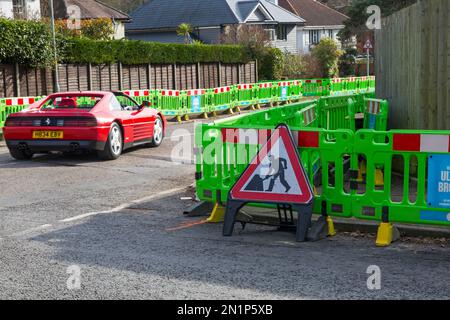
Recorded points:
72,102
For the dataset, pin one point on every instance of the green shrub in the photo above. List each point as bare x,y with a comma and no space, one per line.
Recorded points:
297,66
25,42
270,64
328,54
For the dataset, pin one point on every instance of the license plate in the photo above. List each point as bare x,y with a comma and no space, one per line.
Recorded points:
48,134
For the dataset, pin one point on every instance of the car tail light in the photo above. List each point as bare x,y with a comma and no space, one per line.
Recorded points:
81,122
18,122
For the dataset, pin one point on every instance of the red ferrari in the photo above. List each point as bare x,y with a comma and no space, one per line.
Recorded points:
108,122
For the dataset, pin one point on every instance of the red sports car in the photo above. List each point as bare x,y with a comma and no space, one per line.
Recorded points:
107,122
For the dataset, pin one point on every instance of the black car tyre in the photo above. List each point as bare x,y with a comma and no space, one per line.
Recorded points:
21,154
114,144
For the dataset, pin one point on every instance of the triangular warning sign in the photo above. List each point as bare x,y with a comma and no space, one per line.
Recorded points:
368,45
276,174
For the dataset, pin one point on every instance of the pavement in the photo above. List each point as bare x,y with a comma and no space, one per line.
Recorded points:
121,225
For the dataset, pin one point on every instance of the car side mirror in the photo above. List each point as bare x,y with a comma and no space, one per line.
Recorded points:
145,104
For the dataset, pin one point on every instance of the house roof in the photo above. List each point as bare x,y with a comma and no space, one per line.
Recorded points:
91,9
314,12
163,14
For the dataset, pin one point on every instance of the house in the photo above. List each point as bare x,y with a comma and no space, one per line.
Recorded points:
20,9
87,10
159,19
321,21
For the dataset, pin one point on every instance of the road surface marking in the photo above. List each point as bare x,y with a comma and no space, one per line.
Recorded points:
22,233
125,205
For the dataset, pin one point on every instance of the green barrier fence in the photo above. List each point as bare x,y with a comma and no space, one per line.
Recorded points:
183,103
344,164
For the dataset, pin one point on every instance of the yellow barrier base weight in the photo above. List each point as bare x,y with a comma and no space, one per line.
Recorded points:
217,214
331,230
379,178
387,233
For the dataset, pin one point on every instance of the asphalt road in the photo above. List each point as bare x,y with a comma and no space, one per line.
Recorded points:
121,224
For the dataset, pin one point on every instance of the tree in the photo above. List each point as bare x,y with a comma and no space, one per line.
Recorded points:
185,30
328,53
358,15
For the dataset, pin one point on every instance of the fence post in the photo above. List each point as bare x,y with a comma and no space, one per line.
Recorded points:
239,72
174,76
17,80
89,73
119,68
198,76
256,70
219,74
149,76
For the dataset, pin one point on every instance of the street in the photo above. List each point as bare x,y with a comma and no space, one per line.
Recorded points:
121,223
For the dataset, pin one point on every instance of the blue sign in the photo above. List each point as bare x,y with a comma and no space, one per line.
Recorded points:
372,121
435,216
439,181
284,93
196,104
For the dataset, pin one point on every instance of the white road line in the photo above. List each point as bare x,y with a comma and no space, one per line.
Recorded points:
22,233
181,136
125,205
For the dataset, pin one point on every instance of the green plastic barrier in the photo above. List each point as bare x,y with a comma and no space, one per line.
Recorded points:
171,102
416,152
182,103
316,87
337,112
376,114
246,95
267,93
222,98
141,95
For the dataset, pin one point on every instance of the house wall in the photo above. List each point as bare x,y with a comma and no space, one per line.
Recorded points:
6,9
289,45
303,41
119,32
33,9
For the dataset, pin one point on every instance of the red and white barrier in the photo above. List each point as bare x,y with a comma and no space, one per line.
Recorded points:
19,101
195,92
137,93
373,107
245,86
170,93
421,142
222,90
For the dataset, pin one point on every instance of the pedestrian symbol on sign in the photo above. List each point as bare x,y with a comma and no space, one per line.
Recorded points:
276,176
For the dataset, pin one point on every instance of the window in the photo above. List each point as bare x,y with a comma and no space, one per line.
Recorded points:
270,34
330,34
19,9
126,103
86,102
282,32
314,36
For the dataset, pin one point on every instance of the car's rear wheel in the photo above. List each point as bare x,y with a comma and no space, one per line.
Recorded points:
114,144
21,154
158,133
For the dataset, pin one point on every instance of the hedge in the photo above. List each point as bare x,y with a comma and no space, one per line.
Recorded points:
25,42
141,52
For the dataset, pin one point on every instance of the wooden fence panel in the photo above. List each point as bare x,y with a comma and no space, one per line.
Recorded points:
413,65
36,82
